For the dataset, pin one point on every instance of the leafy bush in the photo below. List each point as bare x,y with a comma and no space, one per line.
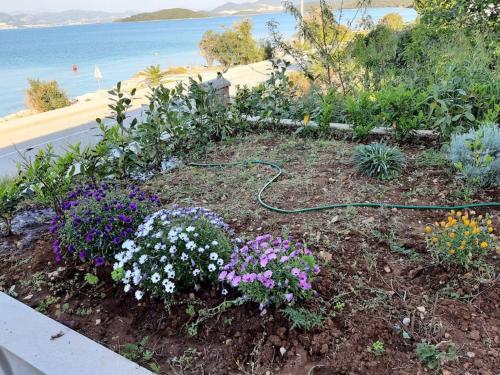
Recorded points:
379,160
232,47
10,197
401,109
462,240
476,156
360,112
271,270
393,21
45,96
47,177
96,220
174,250
434,357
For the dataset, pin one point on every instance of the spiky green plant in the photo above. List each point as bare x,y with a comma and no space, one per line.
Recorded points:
153,75
379,160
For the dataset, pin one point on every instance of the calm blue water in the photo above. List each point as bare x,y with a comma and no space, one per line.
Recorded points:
120,50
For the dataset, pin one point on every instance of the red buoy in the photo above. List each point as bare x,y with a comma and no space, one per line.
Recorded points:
75,68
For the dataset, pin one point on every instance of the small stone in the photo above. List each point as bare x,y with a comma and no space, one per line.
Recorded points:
282,351
471,354
406,321
228,342
447,335
446,372
387,269
97,322
421,309
324,349
475,335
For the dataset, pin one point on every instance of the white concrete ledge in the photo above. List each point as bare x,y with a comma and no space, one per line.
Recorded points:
336,126
33,344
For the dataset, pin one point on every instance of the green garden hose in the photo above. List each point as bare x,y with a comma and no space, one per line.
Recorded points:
330,206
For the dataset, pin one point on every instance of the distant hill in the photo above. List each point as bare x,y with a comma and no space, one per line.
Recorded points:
165,14
68,17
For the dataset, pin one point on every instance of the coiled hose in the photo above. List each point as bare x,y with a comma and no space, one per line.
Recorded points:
279,171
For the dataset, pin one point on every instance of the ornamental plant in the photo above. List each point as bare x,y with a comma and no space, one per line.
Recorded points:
461,240
474,155
379,160
174,250
271,270
98,219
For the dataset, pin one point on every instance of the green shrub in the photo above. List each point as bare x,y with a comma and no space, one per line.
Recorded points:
172,251
96,220
45,96
379,160
232,47
476,156
393,21
47,177
401,109
10,197
361,112
462,240
433,357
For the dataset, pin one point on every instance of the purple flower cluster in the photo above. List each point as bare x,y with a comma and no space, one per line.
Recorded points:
271,270
96,220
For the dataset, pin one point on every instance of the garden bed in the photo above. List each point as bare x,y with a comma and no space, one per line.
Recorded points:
375,272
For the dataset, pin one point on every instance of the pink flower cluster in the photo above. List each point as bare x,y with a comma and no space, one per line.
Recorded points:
271,270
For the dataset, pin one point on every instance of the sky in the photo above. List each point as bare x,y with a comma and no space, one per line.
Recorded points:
107,5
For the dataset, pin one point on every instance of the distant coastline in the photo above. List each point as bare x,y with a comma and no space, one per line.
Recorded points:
77,18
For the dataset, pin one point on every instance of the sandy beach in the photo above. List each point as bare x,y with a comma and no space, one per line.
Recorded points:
16,130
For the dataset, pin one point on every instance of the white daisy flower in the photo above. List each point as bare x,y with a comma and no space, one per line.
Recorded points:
220,262
173,249
201,250
171,274
196,272
168,268
211,267
138,295
126,288
155,278
170,287
184,256
214,243
190,245
224,292
213,256
163,259
143,258
190,229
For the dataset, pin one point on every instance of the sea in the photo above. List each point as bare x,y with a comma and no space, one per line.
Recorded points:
120,50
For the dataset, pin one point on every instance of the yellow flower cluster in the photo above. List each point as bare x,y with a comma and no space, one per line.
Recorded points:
462,239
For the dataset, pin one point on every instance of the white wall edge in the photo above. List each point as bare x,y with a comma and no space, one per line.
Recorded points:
32,337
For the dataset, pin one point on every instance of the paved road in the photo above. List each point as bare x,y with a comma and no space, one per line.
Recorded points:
77,123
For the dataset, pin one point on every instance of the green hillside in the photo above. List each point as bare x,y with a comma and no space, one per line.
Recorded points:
165,14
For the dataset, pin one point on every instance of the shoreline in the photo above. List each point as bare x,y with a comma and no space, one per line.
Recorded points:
117,21
136,81
95,104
